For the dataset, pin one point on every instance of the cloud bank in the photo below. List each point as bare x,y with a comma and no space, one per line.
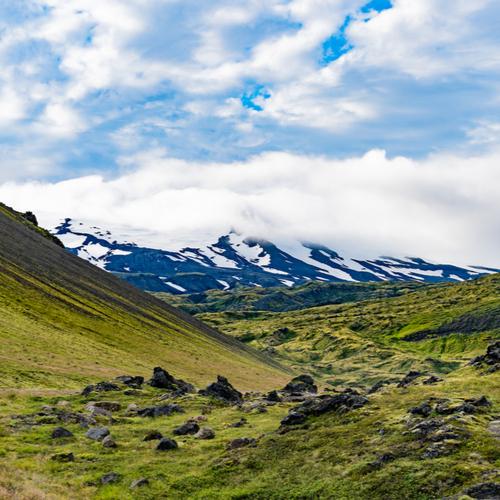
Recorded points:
445,208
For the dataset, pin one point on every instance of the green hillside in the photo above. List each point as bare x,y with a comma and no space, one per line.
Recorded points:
64,322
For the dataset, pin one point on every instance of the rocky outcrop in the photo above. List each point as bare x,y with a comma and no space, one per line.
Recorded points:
301,385
223,390
161,379
490,360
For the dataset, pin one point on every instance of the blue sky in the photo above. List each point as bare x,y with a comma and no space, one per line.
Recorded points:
219,102
85,84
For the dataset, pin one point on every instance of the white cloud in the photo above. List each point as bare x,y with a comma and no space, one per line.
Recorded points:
445,208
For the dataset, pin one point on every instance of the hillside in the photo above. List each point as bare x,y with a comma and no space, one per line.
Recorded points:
233,260
63,322
282,299
438,327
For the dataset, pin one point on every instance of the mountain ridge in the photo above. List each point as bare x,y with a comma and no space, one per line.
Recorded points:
235,260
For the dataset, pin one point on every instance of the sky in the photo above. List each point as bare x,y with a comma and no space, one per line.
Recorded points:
370,126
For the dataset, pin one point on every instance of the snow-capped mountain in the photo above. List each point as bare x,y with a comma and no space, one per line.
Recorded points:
234,260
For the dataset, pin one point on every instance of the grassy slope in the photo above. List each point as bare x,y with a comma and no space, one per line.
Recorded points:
363,342
64,322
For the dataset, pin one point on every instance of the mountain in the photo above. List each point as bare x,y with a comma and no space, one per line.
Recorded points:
234,261
64,322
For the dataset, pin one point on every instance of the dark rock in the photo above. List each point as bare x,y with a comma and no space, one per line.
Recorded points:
152,436
241,443
432,380
131,381
326,403
110,478
139,483
97,433
163,380
63,457
377,386
61,432
31,217
273,396
482,402
240,423
109,442
167,444
205,433
426,427
424,410
491,359
409,378
222,390
484,491
160,411
294,418
100,387
189,427
382,460
300,385
468,408
107,405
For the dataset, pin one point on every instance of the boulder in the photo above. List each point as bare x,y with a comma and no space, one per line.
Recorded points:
97,433
483,491
300,385
241,443
105,405
377,386
409,378
273,396
110,478
109,442
189,427
166,444
491,359
61,432
424,410
160,411
139,483
432,380
63,457
161,379
223,390
100,387
294,418
131,381
152,436
205,433
240,423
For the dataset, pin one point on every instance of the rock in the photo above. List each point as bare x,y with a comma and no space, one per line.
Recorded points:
132,409
167,444
110,478
300,385
97,433
382,460
205,433
31,217
139,483
222,390
152,436
100,387
63,457
482,402
432,380
294,418
61,432
426,427
188,427
109,442
163,380
377,386
491,359
105,405
424,410
240,423
324,404
494,428
131,381
409,378
100,412
200,418
241,443
254,407
160,411
484,491
273,396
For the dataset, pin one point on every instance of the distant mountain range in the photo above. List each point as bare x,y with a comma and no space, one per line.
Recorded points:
234,260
